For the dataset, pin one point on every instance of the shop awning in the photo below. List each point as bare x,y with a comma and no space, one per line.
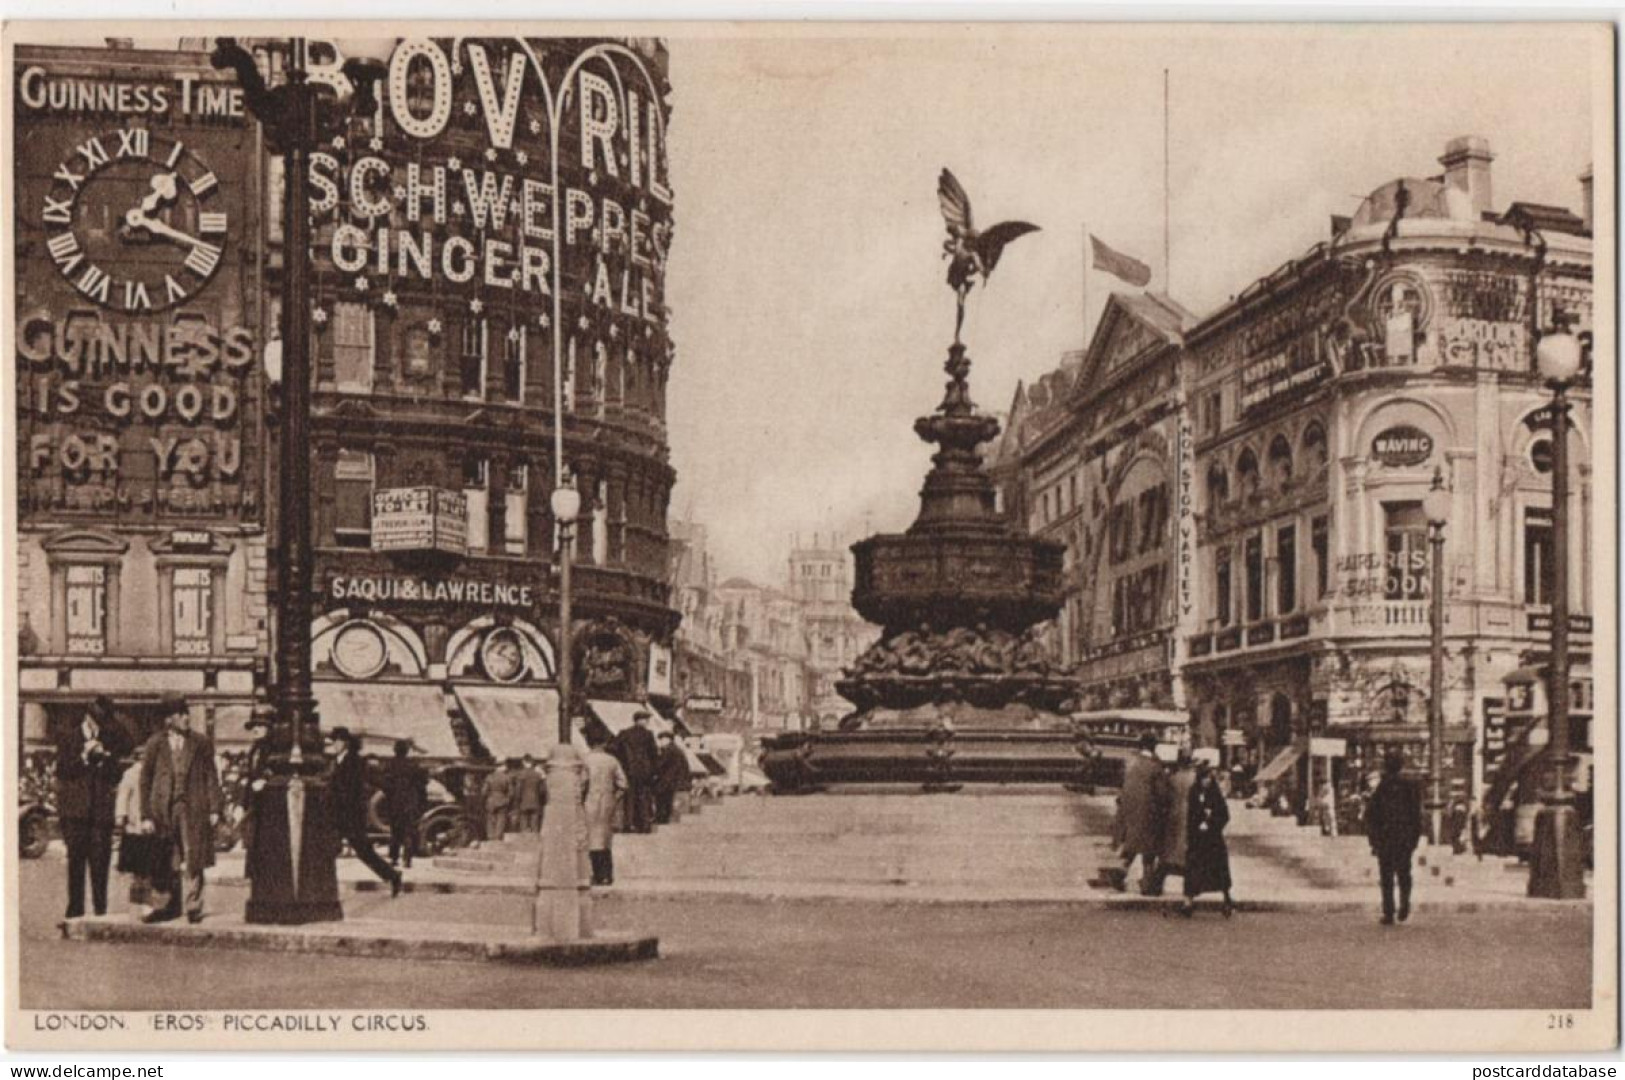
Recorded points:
1278,765
378,713
617,715
512,721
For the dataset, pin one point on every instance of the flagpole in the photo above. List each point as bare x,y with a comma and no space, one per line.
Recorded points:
1167,261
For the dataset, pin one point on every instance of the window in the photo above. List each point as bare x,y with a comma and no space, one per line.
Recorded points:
1406,546
1280,457
1320,541
1537,556
600,524
1218,487
352,498
1253,567
1315,453
515,533
568,391
192,600
1247,473
476,489
87,609
471,358
513,364
1044,502
1286,559
1211,414
1221,586
416,351
352,348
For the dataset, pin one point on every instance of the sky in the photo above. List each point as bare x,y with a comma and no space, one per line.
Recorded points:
808,295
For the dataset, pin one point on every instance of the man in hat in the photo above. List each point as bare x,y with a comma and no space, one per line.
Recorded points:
499,796
1393,828
532,795
639,755
87,782
672,775
180,799
406,788
347,792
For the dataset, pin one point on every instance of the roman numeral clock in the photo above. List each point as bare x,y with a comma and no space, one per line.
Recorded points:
134,223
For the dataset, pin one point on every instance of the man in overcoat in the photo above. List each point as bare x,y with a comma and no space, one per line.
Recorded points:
181,799
405,792
1176,818
639,754
671,776
1140,810
1394,827
347,794
499,795
87,783
531,795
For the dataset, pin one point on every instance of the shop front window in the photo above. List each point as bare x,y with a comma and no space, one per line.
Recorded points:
192,599
1406,548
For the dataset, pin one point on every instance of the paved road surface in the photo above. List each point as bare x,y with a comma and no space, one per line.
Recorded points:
749,954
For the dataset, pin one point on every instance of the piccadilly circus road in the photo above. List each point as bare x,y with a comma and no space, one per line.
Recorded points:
744,953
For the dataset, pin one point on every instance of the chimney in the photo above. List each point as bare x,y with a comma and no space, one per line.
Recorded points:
1585,198
1466,164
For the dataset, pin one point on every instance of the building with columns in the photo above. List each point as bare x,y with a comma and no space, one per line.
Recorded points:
1319,406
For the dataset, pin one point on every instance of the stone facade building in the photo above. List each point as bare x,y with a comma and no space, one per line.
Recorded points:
821,583
1317,408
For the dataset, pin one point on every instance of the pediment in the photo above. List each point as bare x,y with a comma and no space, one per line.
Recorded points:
1127,334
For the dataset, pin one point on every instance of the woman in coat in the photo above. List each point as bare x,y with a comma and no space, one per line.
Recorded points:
606,782
1207,859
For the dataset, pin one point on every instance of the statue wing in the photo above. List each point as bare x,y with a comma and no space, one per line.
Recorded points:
955,206
990,245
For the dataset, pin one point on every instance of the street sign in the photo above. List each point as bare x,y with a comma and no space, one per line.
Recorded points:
703,704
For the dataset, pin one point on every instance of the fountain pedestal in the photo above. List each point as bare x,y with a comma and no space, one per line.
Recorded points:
960,688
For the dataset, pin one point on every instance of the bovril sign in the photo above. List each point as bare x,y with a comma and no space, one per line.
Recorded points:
1401,446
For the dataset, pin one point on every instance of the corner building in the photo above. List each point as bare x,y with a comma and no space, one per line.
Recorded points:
488,263
1325,399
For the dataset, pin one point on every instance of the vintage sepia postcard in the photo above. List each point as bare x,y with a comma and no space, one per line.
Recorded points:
861,536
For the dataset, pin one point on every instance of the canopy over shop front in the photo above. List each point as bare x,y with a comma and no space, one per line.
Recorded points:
1279,764
512,721
380,713
617,715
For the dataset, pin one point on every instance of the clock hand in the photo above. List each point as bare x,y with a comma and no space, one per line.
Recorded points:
135,219
163,191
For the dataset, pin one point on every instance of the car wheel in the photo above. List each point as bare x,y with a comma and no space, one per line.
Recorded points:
33,835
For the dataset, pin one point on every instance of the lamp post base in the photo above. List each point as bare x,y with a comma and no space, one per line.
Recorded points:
563,908
1556,866
292,855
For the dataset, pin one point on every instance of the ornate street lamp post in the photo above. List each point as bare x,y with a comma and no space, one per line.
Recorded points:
294,878
1436,507
1555,870
562,910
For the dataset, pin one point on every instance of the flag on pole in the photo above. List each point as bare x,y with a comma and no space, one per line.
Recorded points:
1117,264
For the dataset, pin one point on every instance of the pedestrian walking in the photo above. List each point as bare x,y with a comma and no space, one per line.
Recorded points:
498,798
672,776
256,770
1393,828
639,755
531,795
87,781
1207,857
347,792
181,804
1175,834
606,783
1139,815
135,840
406,787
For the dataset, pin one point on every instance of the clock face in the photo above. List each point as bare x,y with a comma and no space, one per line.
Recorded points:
359,651
135,222
503,655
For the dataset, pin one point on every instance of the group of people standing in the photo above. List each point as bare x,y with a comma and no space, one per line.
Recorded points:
166,797
1173,824
635,776
515,798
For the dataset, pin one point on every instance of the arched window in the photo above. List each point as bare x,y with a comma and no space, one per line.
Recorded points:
1280,458
1218,486
1247,472
1315,454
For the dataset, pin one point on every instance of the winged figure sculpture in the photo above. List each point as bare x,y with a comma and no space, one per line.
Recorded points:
971,254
